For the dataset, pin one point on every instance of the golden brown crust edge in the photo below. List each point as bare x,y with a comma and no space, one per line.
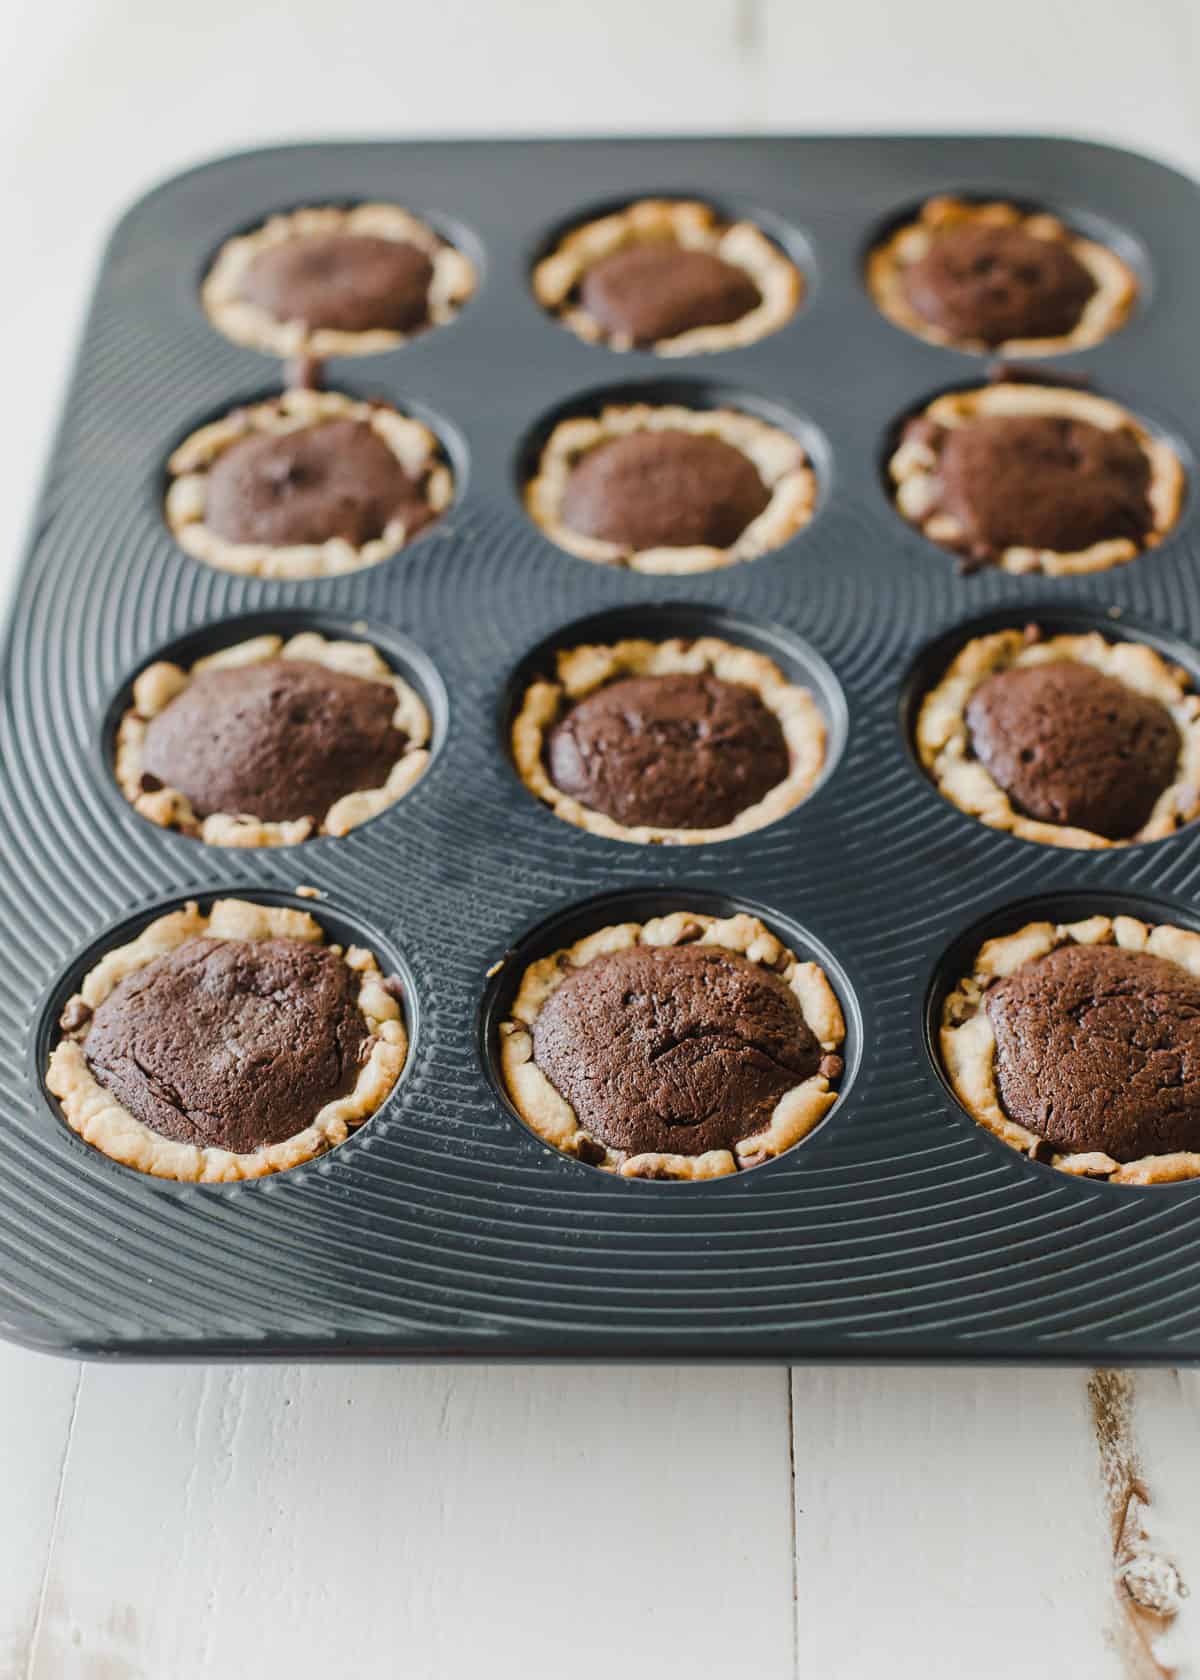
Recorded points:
411,442
109,1127
778,457
162,682
454,281
968,1045
548,1114
695,226
1106,310
913,470
582,670
943,741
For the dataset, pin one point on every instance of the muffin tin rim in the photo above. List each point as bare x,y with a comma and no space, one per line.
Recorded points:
601,909
44,1032
1057,616
939,976
802,663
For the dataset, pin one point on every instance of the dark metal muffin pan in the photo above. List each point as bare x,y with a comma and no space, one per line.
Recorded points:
444,1228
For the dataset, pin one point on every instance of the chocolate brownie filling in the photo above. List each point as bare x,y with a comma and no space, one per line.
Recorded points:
664,489
677,751
673,1049
1072,745
337,479
1044,482
278,739
230,1043
998,283
652,291
1098,1048
347,282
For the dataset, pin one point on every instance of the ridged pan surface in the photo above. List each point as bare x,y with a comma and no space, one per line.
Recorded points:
444,1227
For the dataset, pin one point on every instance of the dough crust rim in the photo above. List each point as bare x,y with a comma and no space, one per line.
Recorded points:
1107,309
453,283
913,470
968,1044
695,226
779,458
584,669
944,746
98,1118
548,1113
162,682
413,444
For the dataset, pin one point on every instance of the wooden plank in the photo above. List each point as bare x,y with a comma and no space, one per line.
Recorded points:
37,1398
949,1522
442,1523
1147,1428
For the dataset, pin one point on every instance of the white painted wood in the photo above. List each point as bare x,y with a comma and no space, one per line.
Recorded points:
949,1523
425,1524
377,1523
37,1398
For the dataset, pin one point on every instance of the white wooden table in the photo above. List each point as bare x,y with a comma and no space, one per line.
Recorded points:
175,1524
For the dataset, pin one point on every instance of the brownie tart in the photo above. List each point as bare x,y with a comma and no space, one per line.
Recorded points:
992,277
226,1046
1068,740
675,743
671,276
268,742
1036,478
336,282
670,489
1080,1046
686,1047
309,484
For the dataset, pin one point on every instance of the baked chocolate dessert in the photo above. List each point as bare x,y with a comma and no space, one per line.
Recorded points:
160,1042
353,283
664,489
681,1049
335,282
674,742
226,1046
268,743
1035,478
644,293
309,484
668,276
334,481
994,277
668,752
670,489
1081,1045
1069,740
1073,746
1099,1049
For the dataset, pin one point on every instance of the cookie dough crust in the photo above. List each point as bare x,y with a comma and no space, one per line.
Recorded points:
695,227
778,457
554,1120
914,465
454,280
944,745
1107,308
968,1043
101,1121
162,682
583,670
413,445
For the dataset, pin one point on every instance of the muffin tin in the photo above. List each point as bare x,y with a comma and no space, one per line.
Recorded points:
899,1229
